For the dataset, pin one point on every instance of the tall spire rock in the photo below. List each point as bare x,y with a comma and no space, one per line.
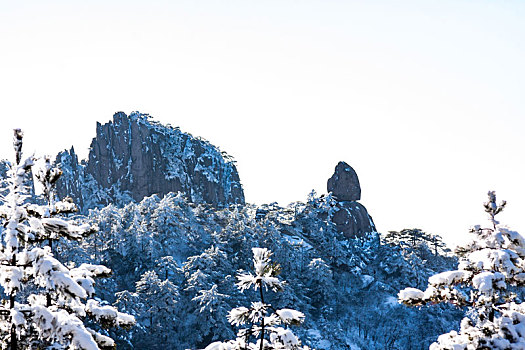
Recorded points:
133,157
351,218
344,184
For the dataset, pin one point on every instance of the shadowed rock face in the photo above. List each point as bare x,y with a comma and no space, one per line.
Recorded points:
133,157
344,184
71,183
350,218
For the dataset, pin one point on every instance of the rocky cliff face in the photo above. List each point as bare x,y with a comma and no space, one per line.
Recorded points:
351,218
344,184
133,157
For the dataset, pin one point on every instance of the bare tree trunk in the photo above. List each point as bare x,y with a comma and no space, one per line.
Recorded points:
262,321
13,340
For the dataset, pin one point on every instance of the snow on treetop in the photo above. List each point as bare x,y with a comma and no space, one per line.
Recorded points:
290,316
10,277
286,337
261,259
408,294
502,260
231,345
108,315
265,273
65,327
448,278
93,270
486,281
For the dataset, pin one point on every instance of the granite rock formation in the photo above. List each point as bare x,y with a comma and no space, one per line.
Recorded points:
344,184
351,218
133,157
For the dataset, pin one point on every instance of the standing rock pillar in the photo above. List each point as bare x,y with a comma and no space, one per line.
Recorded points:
351,218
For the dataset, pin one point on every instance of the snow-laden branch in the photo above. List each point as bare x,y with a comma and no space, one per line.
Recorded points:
108,316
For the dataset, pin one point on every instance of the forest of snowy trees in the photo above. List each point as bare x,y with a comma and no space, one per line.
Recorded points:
174,274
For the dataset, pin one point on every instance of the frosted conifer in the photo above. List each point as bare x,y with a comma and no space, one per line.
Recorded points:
57,299
267,325
491,261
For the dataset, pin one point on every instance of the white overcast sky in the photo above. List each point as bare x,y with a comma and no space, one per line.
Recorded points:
424,99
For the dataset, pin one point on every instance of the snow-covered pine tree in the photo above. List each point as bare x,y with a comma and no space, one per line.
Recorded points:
320,283
57,299
155,302
207,286
491,261
267,325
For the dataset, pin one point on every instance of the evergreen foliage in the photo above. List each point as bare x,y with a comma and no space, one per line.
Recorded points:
348,298
492,262
173,266
49,304
267,325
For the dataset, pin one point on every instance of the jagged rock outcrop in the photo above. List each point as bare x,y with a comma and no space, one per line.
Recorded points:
344,184
133,157
74,183
351,218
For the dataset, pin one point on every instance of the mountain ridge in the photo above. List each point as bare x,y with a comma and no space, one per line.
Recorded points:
132,157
